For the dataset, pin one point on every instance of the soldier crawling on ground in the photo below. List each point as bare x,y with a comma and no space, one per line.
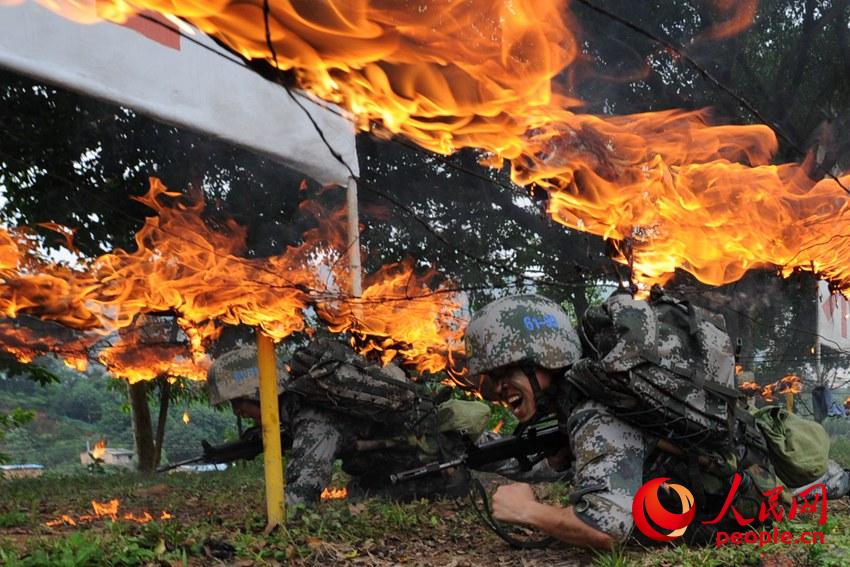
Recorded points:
337,405
619,436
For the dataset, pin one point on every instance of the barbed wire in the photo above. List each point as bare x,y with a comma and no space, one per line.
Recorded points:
324,295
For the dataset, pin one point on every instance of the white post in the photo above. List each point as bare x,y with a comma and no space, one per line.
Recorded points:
354,268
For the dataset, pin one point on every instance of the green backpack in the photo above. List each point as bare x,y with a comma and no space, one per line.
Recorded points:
798,448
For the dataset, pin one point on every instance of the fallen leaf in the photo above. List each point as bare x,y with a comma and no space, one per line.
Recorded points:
314,542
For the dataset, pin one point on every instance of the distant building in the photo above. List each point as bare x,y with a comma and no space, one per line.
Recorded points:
115,457
21,471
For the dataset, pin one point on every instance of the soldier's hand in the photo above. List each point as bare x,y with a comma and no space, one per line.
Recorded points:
511,503
561,460
322,356
212,454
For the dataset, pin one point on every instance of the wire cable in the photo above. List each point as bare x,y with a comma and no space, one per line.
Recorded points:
681,52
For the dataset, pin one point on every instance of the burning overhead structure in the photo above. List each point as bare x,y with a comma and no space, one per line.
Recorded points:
155,312
667,188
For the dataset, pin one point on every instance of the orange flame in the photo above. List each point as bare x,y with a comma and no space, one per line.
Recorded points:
64,520
736,16
498,426
790,384
667,186
334,493
750,388
423,331
106,510
99,450
200,279
186,417
768,391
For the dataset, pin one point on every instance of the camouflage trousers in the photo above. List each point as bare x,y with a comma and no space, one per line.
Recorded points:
320,437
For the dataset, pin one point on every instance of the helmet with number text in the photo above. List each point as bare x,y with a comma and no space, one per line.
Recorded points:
521,329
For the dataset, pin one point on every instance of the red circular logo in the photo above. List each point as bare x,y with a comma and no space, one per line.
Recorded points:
647,507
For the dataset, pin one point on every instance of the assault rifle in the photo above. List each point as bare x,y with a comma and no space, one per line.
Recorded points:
248,446
535,440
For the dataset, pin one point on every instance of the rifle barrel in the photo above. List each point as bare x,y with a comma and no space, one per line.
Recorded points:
171,466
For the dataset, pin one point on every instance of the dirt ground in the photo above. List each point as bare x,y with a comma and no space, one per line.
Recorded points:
219,519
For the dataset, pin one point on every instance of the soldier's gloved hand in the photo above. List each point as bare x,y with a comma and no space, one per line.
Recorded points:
211,453
304,359
321,357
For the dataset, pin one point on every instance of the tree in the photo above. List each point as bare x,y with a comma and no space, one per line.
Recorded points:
450,213
18,417
84,177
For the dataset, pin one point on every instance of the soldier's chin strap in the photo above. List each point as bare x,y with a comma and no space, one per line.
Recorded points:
543,399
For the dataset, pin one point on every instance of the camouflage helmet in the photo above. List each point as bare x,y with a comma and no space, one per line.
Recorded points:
235,375
520,328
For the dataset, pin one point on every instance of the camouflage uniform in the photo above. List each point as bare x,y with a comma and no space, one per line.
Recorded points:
317,436
608,470
321,436
633,351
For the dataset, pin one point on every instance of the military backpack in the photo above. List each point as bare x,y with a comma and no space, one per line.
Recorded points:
664,365
334,377
667,366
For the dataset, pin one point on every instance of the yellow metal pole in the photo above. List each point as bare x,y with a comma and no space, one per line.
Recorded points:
270,418
789,401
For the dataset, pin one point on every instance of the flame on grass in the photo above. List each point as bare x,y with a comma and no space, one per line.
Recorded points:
334,493
107,511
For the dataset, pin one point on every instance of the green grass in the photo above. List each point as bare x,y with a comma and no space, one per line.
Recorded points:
840,451
225,514
209,511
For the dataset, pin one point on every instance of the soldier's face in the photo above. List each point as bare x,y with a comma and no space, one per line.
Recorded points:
246,408
513,387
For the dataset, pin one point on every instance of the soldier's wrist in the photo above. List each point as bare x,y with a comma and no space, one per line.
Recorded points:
536,514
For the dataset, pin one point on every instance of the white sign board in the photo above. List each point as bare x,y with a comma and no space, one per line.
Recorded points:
149,67
833,319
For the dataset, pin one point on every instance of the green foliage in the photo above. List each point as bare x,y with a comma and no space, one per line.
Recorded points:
89,407
12,519
38,373
16,418
615,558
839,451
